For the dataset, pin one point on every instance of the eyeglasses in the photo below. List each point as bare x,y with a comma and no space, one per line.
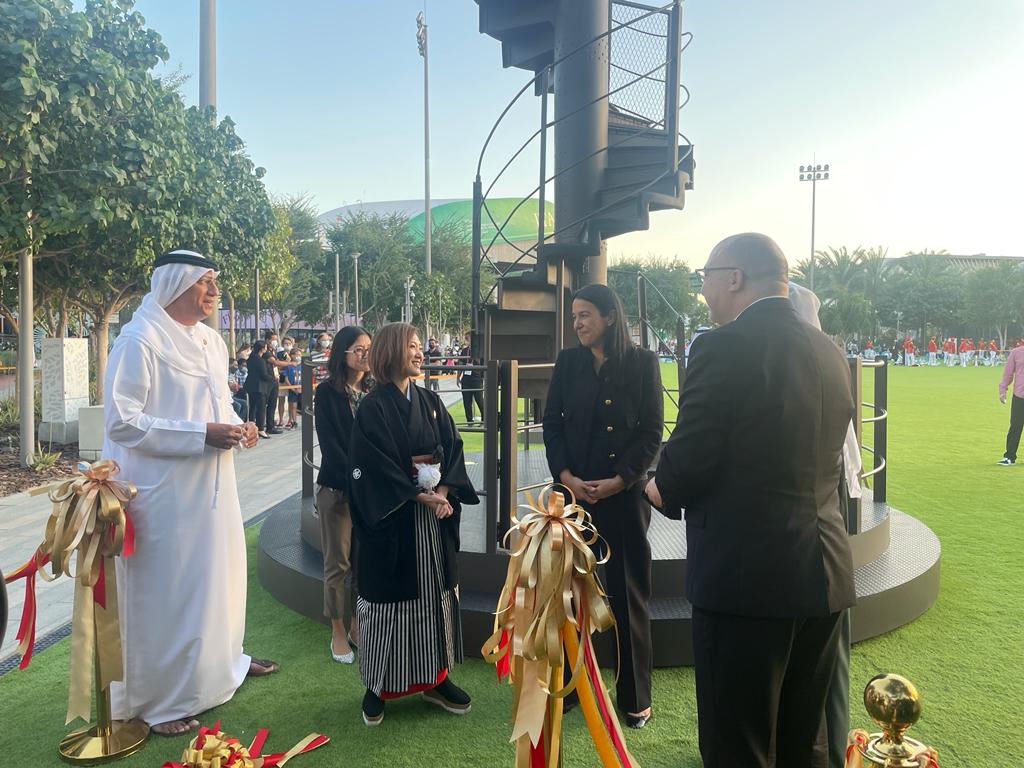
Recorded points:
703,271
358,351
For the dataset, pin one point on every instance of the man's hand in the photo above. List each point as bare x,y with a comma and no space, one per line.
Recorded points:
653,494
224,436
1002,398
602,489
581,489
249,434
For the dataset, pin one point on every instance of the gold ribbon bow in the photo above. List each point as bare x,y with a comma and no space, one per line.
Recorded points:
89,520
550,604
212,748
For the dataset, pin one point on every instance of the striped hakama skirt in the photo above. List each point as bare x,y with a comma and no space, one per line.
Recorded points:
404,646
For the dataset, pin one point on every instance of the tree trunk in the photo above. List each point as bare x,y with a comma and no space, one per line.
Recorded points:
101,331
231,326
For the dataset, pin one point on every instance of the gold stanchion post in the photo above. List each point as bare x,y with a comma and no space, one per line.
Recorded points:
107,740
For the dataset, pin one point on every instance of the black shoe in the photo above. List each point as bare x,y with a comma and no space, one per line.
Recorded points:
449,697
1006,462
373,708
274,431
637,721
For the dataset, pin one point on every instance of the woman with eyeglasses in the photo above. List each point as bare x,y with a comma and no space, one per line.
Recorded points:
603,423
335,403
407,484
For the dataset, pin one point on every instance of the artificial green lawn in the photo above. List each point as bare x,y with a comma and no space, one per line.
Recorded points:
965,654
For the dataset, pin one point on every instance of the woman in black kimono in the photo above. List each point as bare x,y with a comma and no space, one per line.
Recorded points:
407,484
603,423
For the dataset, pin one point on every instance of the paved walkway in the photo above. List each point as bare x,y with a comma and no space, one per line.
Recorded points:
266,475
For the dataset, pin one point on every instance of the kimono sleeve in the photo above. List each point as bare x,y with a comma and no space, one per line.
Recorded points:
454,473
127,423
378,483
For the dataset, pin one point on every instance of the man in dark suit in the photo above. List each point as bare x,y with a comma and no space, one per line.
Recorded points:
755,460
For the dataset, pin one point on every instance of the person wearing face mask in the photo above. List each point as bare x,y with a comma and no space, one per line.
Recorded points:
406,484
273,348
284,354
603,422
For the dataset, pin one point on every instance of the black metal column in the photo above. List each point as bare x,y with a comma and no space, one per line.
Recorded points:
581,117
308,380
881,447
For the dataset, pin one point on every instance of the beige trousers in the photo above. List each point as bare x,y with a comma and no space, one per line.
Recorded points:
337,543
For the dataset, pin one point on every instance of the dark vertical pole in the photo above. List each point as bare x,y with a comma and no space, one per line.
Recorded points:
492,467
853,521
509,419
881,429
476,339
545,82
680,354
559,307
675,23
308,380
641,308
581,118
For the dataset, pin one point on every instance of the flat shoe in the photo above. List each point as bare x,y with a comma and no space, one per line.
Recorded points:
343,658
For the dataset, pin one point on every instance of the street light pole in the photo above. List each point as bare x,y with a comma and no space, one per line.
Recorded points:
256,320
813,173
359,314
208,84
337,292
421,39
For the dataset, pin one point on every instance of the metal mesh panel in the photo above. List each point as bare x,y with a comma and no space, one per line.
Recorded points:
636,50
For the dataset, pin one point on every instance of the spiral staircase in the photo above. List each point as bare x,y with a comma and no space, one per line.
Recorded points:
613,70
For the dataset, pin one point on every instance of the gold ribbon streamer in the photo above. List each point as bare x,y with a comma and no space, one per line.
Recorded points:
551,587
88,521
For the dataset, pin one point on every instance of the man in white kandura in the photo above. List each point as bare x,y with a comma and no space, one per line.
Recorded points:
171,427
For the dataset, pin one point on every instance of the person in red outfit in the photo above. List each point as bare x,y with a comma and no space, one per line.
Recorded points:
908,351
933,352
965,352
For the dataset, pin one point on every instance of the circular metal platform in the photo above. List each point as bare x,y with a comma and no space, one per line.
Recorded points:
896,557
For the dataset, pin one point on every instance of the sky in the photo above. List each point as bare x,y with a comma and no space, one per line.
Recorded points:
915,105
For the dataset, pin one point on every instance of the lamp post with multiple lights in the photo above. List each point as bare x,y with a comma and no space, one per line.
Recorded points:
813,173
421,40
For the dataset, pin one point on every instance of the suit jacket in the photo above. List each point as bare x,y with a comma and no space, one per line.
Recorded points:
630,416
755,460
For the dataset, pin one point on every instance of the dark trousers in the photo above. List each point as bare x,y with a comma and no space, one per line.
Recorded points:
1016,426
471,383
271,406
837,701
258,409
761,688
623,521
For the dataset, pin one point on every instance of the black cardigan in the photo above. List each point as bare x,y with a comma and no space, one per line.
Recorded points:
333,415
260,377
630,405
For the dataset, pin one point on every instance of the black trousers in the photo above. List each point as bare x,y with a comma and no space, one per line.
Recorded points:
258,409
272,405
1016,426
761,688
471,383
623,521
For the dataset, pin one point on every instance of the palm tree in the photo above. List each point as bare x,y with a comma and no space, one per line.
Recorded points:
876,268
840,270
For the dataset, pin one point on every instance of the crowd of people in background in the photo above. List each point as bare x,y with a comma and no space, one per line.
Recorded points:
949,352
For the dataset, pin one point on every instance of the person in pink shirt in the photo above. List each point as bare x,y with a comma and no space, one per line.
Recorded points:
1013,371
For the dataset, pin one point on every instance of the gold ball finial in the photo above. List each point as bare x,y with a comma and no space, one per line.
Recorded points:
893,702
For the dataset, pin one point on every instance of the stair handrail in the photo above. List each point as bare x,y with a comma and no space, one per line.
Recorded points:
499,230
556,62
546,72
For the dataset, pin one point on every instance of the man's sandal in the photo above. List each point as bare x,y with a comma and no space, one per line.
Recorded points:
190,722
263,667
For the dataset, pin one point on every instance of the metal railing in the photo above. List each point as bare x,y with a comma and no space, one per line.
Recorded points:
880,423
622,78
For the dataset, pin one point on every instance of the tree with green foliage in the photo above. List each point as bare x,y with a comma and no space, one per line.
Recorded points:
671,292
994,300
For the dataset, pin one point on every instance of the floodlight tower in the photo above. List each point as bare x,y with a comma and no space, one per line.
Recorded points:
813,172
